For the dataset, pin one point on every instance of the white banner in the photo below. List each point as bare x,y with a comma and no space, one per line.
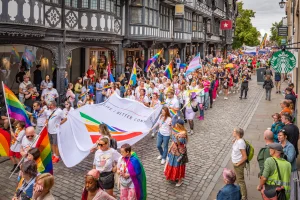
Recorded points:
250,50
128,121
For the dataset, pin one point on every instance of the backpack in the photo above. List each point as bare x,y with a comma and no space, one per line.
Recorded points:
249,151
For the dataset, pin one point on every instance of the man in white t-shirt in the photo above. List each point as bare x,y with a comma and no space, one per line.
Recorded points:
172,102
152,89
50,94
55,117
40,115
28,141
138,89
23,88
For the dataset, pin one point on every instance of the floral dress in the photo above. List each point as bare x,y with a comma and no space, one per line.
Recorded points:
177,158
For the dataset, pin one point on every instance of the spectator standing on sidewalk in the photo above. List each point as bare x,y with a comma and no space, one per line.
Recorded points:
290,96
285,106
290,156
276,126
277,82
292,131
244,84
230,190
268,85
270,173
264,152
239,158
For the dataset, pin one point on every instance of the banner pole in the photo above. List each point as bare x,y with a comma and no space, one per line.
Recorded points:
6,107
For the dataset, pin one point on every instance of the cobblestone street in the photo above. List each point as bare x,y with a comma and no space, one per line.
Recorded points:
207,149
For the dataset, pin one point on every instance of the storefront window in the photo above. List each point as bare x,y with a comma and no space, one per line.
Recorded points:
136,15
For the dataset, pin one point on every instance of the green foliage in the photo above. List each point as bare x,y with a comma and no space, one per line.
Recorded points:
274,33
245,33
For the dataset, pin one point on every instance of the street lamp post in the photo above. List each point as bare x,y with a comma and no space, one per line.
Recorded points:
282,4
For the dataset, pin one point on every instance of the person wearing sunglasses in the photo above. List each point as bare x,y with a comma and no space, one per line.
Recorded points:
28,141
105,162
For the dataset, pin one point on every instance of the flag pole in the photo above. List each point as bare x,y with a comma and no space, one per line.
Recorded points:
39,135
6,107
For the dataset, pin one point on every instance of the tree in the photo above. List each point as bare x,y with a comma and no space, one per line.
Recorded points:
244,32
274,33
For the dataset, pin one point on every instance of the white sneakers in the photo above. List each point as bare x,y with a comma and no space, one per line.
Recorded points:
163,161
152,135
159,157
189,131
192,132
179,184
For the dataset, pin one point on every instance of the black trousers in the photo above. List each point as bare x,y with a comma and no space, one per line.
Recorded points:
210,98
244,87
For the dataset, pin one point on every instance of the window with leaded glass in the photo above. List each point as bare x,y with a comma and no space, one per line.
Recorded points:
150,12
165,18
136,15
187,22
107,5
146,16
68,2
208,26
94,4
118,8
137,3
74,3
102,4
85,3
178,24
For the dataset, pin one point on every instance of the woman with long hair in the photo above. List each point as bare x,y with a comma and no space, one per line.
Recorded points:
105,162
104,131
70,94
44,83
42,187
129,94
164,132
177,157
77,89
276,126
154,101
68,108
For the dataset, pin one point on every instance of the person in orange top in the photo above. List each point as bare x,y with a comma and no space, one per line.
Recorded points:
285,107
91,73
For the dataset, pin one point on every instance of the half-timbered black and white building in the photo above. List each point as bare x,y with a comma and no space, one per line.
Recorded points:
73,34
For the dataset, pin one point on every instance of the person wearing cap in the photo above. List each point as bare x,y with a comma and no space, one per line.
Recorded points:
92,189
23,88
230,190
291,129
50,94
290,156
239,158
270,174
177,157
290,96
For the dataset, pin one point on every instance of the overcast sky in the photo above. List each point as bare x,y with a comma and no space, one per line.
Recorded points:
266,13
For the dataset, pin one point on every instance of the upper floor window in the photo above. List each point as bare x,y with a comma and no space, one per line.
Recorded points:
187,22
144,12
54,1
85,3
118,8
165,14
197,23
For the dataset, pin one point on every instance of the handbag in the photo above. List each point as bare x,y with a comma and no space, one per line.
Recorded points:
107,179
274,192
194,108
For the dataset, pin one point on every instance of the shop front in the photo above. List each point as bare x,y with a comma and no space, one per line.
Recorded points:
100,58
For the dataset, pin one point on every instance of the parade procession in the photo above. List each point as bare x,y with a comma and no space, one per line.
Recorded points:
149,100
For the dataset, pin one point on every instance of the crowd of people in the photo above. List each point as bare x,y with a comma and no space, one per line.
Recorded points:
183,96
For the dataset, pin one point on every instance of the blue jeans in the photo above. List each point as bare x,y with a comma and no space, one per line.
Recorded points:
201,110
165,141
206,99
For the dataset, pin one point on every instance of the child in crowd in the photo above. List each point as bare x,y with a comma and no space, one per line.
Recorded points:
17,137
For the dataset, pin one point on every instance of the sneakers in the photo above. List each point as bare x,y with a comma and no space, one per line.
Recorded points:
233,92
225,98
245,98
163,161
189,131
240,98
201,118
214,100
56,160
192,132
179,184
152,135
17,170
53,156
15,165
159,157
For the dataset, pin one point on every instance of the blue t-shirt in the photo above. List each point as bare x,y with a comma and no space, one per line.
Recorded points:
230,192
277,76
91,87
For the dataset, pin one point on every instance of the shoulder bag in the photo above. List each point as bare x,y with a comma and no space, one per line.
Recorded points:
274,192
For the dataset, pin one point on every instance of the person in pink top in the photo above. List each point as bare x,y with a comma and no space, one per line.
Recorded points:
70,94
206,85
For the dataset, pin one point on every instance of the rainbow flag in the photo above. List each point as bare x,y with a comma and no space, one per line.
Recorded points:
175,130
182,65
173,112
263,41
132,80
152,60
15,53
137,175
4,142
169,71
15,108
111,77
43,144
194,65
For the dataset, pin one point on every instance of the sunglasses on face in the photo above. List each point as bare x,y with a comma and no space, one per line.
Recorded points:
101,145
29,136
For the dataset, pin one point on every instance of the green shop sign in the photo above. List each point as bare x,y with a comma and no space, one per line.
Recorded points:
283,61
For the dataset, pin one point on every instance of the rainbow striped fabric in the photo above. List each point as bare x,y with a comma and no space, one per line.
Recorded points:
175,130
194,65
15,108
169,71
132,80
43,144
173,112
4,142
15,53
138,176
152,60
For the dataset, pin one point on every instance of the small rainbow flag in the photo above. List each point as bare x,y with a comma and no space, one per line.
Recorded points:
111,77
175,130
173,112
132,80
15,108
194,65
169,71
43,144
4,142
182,65
137,175
15,53
152,60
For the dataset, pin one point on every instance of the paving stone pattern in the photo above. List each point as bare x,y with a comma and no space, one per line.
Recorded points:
207,149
